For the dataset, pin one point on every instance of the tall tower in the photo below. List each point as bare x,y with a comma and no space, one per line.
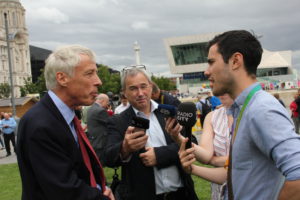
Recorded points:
19,47
136,48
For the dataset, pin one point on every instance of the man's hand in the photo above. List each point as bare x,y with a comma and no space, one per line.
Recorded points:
133,141
109,193
290,190
149,157
174,131
186,156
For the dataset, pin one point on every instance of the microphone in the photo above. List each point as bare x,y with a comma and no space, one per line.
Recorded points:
167,110
186,117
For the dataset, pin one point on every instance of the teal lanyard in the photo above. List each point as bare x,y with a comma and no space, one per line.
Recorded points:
248,98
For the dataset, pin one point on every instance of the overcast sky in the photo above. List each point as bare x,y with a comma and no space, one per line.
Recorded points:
110,27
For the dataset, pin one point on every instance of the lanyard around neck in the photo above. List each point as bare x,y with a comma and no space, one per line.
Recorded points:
248,98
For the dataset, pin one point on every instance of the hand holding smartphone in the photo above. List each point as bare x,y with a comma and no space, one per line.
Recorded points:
140,124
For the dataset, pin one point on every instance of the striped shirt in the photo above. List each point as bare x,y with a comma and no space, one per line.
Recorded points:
222,132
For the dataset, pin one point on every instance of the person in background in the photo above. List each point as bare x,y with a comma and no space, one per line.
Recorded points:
123,106
97,117
1,141
295,114
214,101
79,115
1,133
276,95
204,107
56,160
162,97
149,158
110,110
8,125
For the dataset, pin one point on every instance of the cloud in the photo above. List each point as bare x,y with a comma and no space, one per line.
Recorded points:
140,25
110,27
52,15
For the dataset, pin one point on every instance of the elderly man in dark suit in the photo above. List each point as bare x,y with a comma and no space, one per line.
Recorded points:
149,159
55,158
97,117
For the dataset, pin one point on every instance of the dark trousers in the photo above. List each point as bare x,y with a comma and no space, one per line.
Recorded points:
176,195
7,138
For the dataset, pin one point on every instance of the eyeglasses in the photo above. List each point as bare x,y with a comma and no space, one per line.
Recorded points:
125,69
135,89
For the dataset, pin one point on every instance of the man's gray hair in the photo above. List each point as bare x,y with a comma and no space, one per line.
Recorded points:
133,72
64,59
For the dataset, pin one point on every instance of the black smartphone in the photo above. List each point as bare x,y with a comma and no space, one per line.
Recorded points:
140,123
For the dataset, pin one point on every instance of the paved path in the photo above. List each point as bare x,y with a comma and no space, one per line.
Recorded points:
7,160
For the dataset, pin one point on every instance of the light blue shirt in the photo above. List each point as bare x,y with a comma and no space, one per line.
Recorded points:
11,123
166,179
66,112
266,151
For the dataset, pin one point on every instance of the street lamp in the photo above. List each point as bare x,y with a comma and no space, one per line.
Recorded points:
10,67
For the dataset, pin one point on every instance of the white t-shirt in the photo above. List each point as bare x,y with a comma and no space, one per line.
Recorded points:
120,108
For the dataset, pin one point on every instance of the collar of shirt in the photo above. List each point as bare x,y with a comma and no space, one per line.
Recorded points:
239,101
65,110
153,107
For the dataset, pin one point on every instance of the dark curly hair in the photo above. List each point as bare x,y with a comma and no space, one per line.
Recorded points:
240,41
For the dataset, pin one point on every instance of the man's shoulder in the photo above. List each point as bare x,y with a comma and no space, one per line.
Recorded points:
167,95
265,98
263,106
37,116
95,108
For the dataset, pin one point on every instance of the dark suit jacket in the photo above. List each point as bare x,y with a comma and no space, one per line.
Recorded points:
50,161
97,129
140,179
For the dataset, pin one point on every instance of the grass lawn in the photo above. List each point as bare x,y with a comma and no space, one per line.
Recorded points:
10,183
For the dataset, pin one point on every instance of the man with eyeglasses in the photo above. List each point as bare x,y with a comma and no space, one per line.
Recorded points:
149,159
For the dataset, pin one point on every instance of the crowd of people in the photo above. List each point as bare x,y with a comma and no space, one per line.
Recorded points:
249,138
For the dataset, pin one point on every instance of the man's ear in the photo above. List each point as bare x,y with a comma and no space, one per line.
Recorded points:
62,79
123,90
237,60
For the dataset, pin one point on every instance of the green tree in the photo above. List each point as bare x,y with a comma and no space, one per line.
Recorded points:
4,90
28,88
41,84
164,83
31,88
110,81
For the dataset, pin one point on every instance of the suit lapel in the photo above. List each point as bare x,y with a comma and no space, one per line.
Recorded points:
49,104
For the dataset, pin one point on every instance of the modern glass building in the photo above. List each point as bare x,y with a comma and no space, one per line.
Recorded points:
187,55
